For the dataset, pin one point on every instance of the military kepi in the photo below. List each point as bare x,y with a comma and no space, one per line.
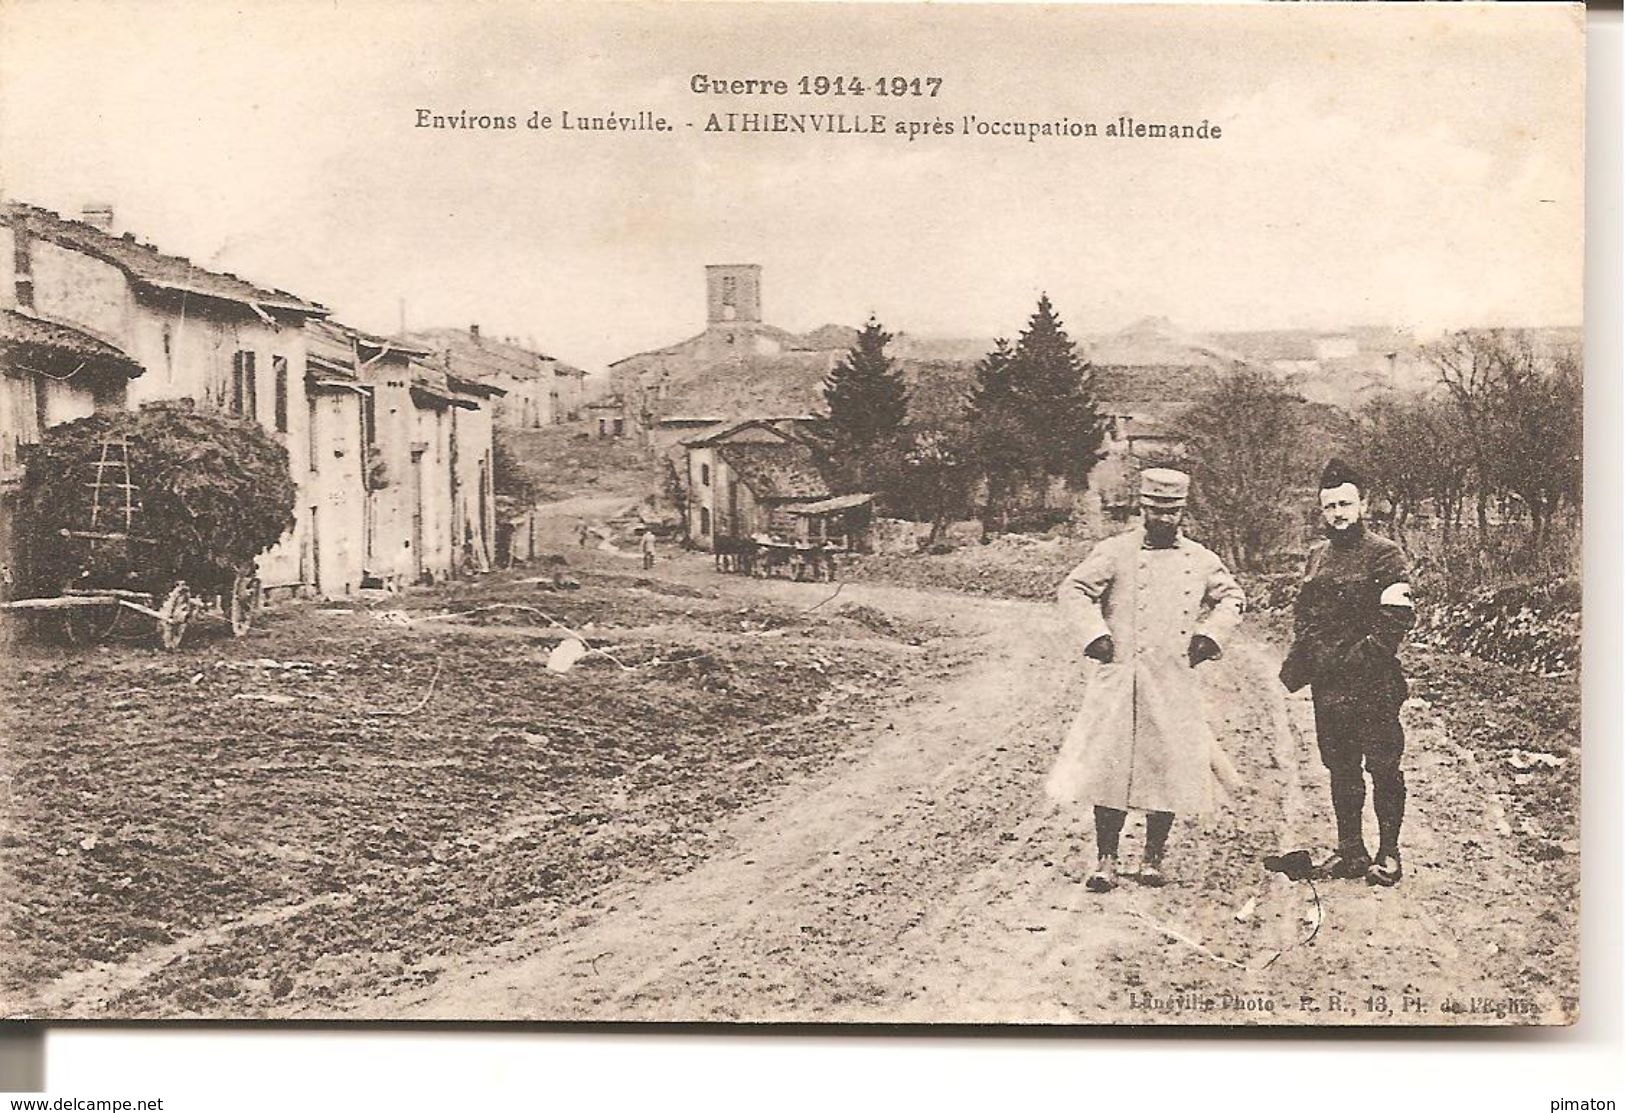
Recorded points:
1336,473
1164,487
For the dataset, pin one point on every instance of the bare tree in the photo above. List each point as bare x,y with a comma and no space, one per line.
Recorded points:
1448,442
1391,444
1539,434
1467,367
1417,451
1251,457
1523,411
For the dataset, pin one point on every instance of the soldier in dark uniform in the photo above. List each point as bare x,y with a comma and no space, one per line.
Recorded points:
1353,610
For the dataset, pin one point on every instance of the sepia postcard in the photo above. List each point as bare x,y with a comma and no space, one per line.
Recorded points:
791,513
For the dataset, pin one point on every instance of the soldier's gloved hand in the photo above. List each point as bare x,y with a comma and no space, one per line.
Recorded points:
1202,648
1102,649
1294,672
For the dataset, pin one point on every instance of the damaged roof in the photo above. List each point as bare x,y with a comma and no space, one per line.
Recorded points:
146,265
31,340
830,506
334,337
478,356
330,344
473,386
774,425
776,471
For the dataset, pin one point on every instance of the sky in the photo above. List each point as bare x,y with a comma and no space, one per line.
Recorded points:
1418,166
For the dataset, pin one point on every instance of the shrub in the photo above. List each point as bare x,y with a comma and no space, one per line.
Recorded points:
1463,563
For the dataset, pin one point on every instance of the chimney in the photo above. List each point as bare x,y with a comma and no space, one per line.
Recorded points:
98,214
474,331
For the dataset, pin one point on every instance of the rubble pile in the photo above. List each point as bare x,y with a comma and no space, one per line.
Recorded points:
1531,627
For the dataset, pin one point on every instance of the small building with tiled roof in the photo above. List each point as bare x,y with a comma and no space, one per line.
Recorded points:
30,343
777,472
745,479
51,373
607,415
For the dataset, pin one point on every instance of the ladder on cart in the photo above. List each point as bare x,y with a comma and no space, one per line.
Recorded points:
115,499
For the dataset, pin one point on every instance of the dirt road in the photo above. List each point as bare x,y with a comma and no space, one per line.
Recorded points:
922,879
769,801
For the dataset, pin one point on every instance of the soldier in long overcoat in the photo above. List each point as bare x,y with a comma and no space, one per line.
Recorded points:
1149,605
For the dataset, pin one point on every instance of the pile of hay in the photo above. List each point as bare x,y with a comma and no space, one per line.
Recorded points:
215,491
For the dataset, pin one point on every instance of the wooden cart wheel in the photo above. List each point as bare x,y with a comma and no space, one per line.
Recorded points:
89,625
173,616
244,602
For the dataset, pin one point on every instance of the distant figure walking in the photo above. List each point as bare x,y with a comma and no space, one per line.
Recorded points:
647,547
582,533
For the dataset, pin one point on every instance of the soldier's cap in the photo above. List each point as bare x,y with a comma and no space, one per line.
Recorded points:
1164,487
1295,865
1337,472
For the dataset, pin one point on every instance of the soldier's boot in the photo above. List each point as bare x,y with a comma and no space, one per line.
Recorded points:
1350,859
1157,826
1386,870
1104,879
1388,798
1346,862
1108,827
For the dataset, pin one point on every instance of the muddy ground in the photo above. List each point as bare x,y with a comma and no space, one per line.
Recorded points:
768,801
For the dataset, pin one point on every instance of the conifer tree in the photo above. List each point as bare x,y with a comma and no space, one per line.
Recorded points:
1032,413
1056,393
1002,438
865,394
868,408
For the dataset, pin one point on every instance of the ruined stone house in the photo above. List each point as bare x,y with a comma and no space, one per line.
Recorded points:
746,480
738,366
390,456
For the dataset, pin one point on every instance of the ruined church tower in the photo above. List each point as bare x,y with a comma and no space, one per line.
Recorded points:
733,294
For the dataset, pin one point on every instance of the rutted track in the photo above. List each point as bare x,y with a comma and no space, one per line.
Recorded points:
838,855
925,881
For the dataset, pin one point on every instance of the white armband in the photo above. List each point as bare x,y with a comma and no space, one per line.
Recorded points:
1396,595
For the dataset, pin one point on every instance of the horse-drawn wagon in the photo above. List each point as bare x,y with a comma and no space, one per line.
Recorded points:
769,557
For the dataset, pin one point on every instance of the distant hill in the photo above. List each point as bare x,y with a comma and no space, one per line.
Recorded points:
1152,367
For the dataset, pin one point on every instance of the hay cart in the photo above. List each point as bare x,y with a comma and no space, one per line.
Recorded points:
110,572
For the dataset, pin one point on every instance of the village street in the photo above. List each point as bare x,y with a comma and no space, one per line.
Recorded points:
883,854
